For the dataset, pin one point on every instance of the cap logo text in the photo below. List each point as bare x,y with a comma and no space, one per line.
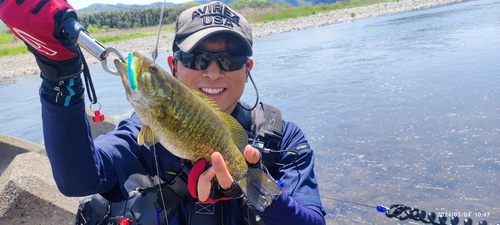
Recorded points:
216,14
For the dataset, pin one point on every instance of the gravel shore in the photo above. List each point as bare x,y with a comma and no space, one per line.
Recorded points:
24,64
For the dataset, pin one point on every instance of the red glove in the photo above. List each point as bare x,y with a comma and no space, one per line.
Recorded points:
216,192
36,22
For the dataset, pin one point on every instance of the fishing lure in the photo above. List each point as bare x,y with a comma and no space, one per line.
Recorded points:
132,76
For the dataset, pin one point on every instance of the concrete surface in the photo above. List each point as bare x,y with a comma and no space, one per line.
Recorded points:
28,193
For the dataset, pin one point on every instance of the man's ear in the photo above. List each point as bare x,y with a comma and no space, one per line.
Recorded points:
249,66
172,63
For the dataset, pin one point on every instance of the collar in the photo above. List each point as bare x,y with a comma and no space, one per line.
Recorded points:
243,116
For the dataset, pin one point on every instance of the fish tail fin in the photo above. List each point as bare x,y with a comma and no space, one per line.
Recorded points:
259,188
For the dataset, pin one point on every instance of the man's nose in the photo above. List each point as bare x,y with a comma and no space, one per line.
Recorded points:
213,71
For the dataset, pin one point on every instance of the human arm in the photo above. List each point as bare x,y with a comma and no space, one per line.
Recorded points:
36,23
80,166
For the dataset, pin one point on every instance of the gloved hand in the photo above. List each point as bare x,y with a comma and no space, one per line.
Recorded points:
37,23
217,193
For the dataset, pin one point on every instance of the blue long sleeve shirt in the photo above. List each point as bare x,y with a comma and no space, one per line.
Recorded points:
83,166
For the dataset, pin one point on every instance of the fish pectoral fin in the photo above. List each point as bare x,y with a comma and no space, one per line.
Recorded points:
146,136
239,135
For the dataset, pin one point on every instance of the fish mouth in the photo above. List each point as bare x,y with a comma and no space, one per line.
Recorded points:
121,66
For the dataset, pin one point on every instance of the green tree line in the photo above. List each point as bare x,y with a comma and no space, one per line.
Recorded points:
134,18
128,19
140,17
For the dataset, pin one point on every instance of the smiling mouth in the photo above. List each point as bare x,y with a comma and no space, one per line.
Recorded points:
212,91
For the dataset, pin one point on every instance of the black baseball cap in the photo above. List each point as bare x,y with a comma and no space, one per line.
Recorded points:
199,22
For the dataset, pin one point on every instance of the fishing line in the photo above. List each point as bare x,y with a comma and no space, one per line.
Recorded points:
155,153
349,202
404,212
155,52
157,179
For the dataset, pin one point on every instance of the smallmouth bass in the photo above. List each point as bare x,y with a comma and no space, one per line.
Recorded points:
189,125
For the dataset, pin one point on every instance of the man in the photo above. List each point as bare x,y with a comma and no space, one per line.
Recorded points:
212,49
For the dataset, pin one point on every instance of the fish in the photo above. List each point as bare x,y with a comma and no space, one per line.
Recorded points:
190,125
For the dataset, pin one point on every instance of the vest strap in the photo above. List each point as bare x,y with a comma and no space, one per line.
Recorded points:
267,125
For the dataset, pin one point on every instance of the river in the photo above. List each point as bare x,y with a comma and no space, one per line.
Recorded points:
399,109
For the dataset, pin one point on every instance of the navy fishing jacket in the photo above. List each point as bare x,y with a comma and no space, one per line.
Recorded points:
82,166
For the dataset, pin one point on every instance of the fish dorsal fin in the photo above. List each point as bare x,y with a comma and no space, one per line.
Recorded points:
146,136
208,100
239,134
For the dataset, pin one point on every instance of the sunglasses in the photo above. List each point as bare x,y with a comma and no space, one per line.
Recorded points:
199,60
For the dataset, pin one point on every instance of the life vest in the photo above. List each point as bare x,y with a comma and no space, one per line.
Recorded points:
264,127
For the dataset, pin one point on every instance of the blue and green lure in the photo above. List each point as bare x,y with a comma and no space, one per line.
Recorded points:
132,76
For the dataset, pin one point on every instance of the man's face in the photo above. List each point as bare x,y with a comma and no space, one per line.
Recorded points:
224,87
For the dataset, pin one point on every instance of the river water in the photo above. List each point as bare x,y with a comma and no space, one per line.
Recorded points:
399,109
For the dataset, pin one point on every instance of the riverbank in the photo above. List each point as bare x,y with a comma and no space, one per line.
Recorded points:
24,64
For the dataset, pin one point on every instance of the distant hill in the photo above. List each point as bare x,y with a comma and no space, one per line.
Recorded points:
291,2
98,7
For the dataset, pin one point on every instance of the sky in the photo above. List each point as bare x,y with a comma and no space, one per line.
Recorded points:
80,4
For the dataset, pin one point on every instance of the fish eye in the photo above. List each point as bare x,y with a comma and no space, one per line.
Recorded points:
153,68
